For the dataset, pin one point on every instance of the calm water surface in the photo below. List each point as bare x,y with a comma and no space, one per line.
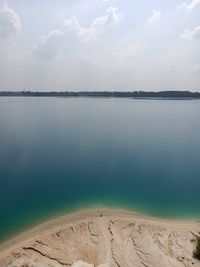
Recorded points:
59,154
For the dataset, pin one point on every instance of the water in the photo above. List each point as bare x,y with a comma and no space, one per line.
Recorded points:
61,154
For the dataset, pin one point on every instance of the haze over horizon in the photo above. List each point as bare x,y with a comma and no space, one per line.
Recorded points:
99,45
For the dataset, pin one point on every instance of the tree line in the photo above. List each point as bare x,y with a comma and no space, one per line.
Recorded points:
121,94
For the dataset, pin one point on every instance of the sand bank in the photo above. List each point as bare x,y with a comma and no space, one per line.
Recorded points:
104,238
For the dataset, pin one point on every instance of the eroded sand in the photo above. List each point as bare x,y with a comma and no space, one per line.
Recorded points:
104,238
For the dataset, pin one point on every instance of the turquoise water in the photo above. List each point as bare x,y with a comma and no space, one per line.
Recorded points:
60,154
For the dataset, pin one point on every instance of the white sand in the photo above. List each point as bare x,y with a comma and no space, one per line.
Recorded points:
104,238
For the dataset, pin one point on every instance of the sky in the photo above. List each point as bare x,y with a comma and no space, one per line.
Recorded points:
79,45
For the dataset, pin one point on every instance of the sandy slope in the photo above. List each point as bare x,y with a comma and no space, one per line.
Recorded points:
104,238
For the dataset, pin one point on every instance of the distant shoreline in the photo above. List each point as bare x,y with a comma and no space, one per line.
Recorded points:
107,94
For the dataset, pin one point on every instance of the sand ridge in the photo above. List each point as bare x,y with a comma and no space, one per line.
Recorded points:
104,238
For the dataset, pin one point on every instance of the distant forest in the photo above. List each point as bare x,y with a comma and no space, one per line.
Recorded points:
133,94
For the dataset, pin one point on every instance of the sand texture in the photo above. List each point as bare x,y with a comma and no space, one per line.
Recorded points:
104,238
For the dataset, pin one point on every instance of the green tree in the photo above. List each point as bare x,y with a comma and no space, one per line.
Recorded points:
197,249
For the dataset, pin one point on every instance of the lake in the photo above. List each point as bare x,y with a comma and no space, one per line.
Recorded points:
62,154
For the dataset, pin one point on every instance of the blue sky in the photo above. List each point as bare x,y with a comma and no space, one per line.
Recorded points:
100,45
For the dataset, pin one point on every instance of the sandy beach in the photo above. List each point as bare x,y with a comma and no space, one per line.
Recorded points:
104,238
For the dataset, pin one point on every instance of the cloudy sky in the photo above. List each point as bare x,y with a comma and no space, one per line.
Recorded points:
100,45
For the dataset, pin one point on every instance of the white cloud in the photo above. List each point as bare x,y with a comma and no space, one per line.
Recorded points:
109,1
192,35
73,24
58,42
10,22
156,16
49,46
190,6
127,54
97,49
98,25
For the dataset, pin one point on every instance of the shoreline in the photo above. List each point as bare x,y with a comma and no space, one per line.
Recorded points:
104,237
92,209
117,94
85,213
